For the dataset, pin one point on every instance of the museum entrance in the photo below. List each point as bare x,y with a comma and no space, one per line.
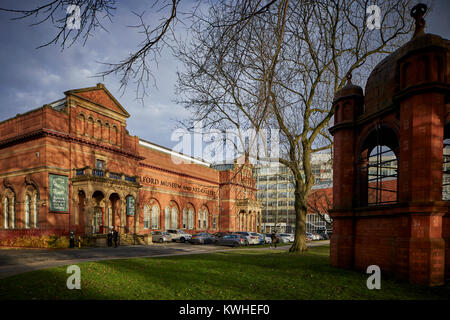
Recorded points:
98,212
97,223
114,211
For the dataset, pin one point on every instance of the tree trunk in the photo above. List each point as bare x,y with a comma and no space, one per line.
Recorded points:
299,244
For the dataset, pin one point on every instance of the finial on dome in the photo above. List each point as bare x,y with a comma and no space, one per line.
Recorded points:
417,12
349,78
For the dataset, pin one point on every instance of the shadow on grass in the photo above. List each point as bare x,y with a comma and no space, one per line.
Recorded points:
258,274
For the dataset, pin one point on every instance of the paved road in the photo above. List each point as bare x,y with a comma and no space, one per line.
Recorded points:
15,261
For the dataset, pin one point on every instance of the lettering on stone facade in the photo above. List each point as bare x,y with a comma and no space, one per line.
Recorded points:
175,185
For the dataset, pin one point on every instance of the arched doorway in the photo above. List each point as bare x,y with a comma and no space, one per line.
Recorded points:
98,217
80,217
114,211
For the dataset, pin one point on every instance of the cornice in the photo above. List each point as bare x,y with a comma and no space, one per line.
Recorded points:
175,172
64,136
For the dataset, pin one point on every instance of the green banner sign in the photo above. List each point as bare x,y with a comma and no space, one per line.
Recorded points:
59,193
130,206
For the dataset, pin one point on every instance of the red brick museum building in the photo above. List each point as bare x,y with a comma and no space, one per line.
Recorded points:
72,165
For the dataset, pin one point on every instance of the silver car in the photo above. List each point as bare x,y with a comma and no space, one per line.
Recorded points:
179,235
161,236
284,237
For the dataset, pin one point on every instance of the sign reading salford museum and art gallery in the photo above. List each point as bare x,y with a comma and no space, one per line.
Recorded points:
59,193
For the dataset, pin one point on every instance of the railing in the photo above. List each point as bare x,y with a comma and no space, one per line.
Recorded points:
115,176
98,173
87,171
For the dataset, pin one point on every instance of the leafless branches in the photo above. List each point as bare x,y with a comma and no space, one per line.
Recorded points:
92,14
281,69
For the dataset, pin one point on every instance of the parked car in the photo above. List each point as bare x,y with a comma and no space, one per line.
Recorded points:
161,236
286,237
262,238
250,239
219,235
316,236
323,235
179,235
259,237
202,238
267,239
309,236
233,240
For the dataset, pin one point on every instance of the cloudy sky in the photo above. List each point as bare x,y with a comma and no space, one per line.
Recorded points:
31,77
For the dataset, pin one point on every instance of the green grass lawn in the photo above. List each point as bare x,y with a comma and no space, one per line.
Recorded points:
235,274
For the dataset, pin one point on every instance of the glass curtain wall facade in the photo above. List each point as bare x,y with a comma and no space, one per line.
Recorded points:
275,186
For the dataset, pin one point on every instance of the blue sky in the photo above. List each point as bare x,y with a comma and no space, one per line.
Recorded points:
31,77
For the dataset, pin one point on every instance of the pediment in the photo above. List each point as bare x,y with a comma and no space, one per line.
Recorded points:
100,96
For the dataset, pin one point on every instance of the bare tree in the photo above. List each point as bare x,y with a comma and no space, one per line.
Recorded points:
281,69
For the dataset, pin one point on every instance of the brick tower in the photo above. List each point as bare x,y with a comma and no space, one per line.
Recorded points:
389,164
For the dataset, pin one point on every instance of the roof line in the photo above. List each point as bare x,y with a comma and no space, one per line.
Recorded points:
154,146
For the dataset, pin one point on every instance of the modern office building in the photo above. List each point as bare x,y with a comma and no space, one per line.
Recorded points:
275,186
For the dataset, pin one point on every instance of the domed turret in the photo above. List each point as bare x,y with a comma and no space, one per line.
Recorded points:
419,61
348,102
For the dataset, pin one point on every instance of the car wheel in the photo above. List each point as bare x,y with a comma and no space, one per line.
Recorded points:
161,240
183,240
246,243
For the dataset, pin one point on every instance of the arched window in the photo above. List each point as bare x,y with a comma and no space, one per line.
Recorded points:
191,218
174,217
185,218
146,216
155,216
13,212
188,217
31,207
81,124
90,128
167,218
205,215
6,212
27,211
378,168
35,210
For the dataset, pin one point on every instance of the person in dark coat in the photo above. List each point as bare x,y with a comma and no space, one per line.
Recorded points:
72,239
110,238
274,238
115,237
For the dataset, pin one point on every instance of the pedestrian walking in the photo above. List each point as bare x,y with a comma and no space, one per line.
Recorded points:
274,238
110,238
72,239
115,237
